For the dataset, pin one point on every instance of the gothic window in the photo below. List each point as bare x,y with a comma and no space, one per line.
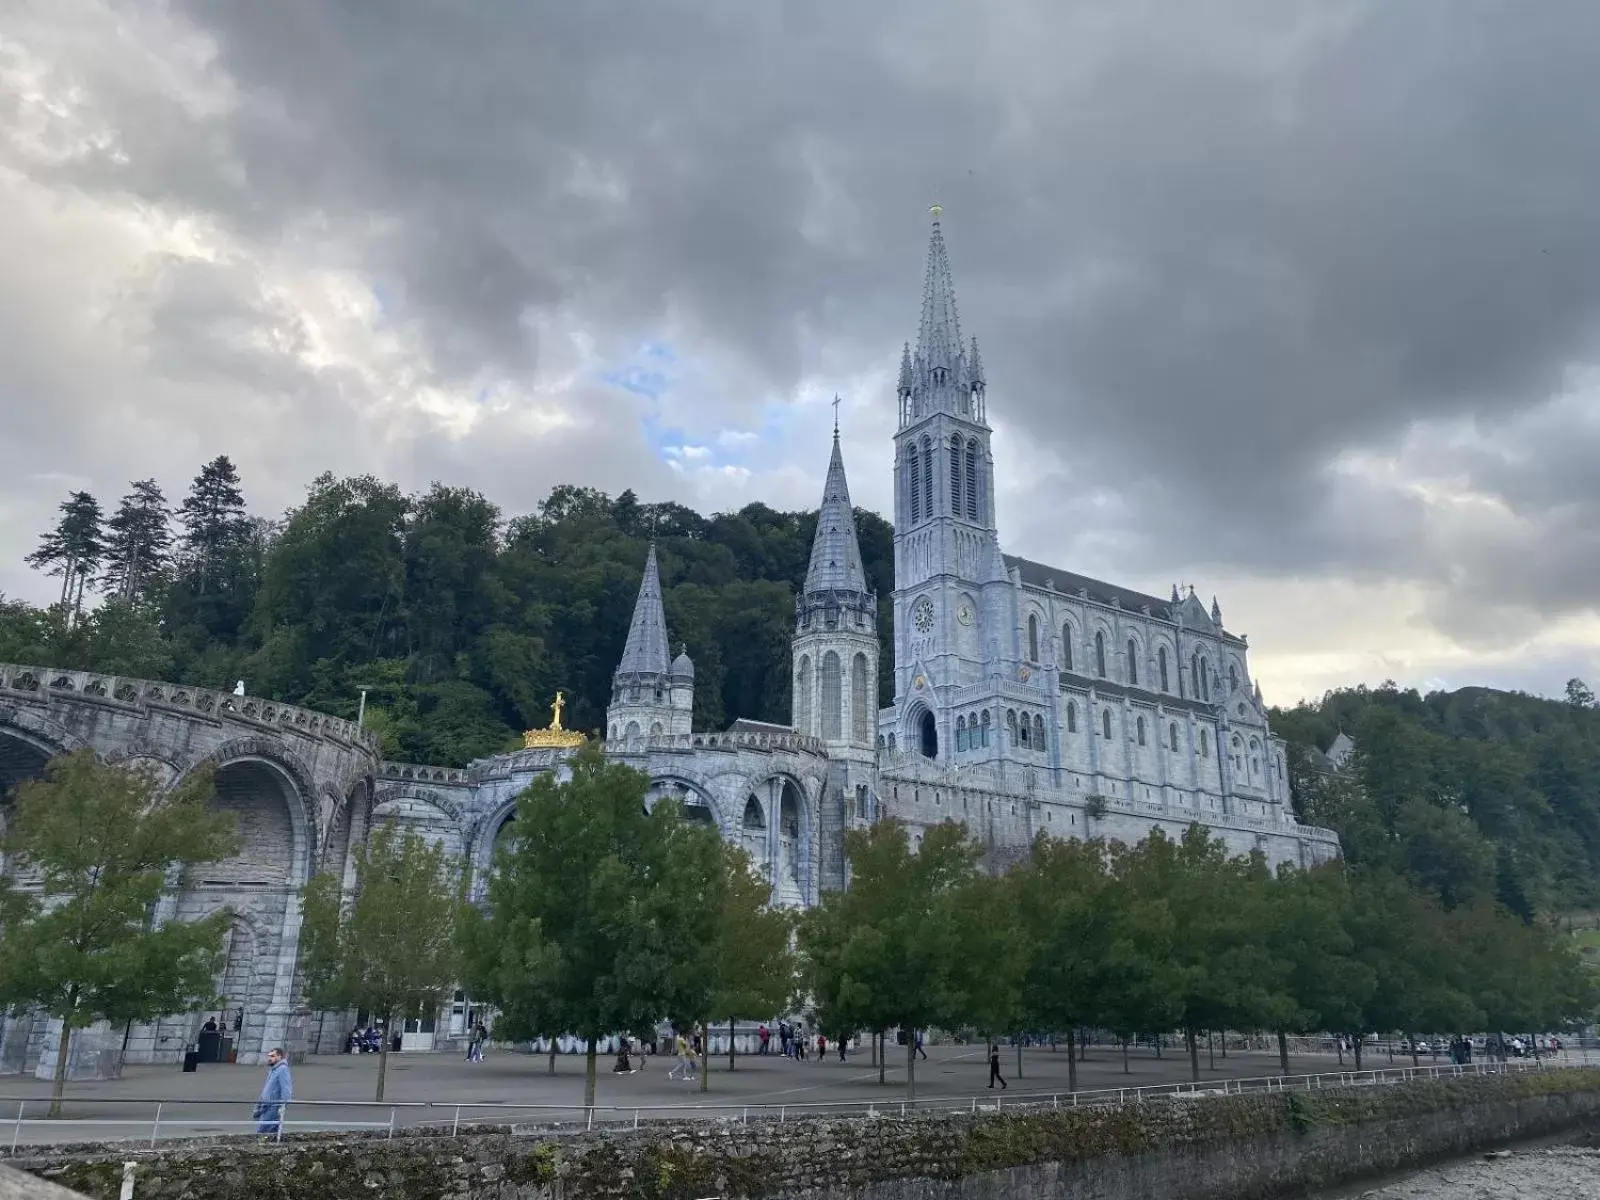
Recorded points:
1105,721
1011,727
929,735
752,814
1100,654
1033,638
972,479
1038,734
860,709
1205,745
1233,678
1205,680
1133,662
955,475
802,716
984,739
1066,646
1025,732
1161,662
891,745
927,477
1072,717
1140,730
832,699
961,734
1172,736
916,482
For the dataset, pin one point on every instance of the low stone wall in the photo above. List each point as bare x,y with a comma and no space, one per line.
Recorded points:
1205,1148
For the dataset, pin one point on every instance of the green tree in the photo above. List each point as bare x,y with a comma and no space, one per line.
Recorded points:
138,550
752,966
592,907
394,951
1326,985
1579,694
883,946
73,549
215,526
98,842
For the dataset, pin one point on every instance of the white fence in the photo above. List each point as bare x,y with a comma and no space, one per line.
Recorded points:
154,1120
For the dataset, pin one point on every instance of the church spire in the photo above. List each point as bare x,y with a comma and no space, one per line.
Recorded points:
835,552
939,335
646,650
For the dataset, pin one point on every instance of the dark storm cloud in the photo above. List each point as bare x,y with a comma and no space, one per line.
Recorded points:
1216,253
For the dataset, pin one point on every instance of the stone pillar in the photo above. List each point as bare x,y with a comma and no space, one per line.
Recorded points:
284,1004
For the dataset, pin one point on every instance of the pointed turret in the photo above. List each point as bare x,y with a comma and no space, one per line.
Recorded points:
651,696
975,368
905,370
646,651
835,552
1175,597
939,335
1216,611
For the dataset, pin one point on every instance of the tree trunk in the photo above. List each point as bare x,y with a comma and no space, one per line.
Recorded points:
1283,1051
58,1085
1415,1062
588,1074
1158,1046
1019,1058
1194,1054
1125,1070
552,1054
705,1056
1338,1046
1356,1042
1224,1040
383,1056
730,1043
1072,1060
1211,1051
1083,1045
873,1042
882,1057
911,1065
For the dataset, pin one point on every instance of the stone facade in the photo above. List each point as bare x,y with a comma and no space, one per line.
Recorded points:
301,785
1028,699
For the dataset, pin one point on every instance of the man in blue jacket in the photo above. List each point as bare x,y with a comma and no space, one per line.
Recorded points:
275,1093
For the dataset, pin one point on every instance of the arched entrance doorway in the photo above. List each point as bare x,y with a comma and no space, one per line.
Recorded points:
927,735
261,879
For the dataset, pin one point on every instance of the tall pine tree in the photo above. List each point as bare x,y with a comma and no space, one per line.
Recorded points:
138,543
214,521
73,549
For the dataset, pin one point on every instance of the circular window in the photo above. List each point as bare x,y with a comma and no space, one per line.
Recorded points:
922,616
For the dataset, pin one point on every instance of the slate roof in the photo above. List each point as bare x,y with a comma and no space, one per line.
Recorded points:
835,552
1069,583
646,650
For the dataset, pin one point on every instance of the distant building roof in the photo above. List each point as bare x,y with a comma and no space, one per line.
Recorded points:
1070,583
746,725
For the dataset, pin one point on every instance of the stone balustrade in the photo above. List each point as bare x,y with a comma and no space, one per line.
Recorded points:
794,743
457,776
119,691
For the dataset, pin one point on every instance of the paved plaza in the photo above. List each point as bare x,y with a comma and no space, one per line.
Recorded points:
427,1088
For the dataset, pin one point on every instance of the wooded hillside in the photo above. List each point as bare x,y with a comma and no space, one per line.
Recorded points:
1470,793
462,623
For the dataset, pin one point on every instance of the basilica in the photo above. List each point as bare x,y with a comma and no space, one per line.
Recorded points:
1028,699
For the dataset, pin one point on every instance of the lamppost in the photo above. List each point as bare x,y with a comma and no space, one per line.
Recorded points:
361,709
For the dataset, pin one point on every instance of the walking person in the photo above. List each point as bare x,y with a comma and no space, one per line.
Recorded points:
994,1068
918,1043
275,1093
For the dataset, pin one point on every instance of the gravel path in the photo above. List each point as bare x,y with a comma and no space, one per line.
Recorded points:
1559,1173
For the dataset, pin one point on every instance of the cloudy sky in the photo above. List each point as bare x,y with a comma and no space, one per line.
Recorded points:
1295,302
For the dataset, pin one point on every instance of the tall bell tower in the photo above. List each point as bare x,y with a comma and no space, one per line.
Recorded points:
945,541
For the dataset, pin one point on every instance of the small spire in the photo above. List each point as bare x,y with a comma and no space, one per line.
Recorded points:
975,367
835,552
1216,611
1175,597
905,370
1258,692
836,403
646,648
939,335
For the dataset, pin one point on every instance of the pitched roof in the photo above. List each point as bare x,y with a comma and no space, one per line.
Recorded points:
646,650
1070,583
835,551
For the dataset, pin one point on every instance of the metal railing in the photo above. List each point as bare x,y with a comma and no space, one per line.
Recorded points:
175,1119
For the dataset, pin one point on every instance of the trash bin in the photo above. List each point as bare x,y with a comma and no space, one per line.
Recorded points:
191,1061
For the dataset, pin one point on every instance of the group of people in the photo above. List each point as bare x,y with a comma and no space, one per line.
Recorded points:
793,1042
